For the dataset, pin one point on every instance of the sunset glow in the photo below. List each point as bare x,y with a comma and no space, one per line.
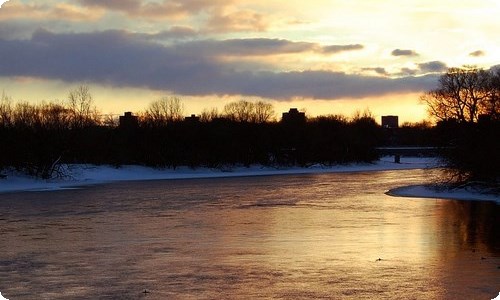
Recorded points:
323,56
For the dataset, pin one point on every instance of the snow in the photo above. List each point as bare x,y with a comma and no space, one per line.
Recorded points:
425,191
82,175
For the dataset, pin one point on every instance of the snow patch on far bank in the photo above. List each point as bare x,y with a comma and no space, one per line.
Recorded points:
426,191
81,175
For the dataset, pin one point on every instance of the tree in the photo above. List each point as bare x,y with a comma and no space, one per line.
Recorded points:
463,94
208,115
55,116
5,111
164,110
246,111
466,104
264,112
492,106
240,111
26,115
81,107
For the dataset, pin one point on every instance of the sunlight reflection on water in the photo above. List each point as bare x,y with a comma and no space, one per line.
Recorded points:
334,236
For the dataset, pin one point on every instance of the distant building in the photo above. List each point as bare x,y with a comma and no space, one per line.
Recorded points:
192,119
293,116
390,121
128,121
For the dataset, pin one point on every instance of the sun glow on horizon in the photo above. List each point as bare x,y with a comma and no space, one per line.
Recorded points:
352,56
118,100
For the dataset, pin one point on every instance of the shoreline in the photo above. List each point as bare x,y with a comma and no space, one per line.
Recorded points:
87,175
429,192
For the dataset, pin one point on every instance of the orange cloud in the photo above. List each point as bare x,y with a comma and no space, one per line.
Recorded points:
239,21
62,11
166,9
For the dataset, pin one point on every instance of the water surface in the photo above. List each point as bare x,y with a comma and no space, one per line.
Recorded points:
327,236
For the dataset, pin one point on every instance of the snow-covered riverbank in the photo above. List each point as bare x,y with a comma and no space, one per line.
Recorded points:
81,175
424,191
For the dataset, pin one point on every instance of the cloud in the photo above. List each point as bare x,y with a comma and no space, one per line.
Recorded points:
2,2
433,67
175,32
119,58
15,10
408,72
220,16
377,70
477,53
120,5
157,10
19,11
210,16
331,85
240,21
400,52
258,47
341,48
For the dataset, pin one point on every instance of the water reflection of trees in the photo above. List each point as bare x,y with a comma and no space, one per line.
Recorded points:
476,224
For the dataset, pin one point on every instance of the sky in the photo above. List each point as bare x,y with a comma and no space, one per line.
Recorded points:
321,56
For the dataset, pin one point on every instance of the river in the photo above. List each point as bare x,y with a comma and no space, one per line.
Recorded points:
321,236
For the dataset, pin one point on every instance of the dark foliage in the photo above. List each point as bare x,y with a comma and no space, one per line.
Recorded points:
472,150
467,106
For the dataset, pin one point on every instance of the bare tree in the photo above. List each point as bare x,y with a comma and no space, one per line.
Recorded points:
264,112
26,115
81,106
54,116
208,115
492,106
165,110
5,111
246,111
110,120
362,115
463,94
240,111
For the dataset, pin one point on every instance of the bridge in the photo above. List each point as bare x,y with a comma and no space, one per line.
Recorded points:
397,152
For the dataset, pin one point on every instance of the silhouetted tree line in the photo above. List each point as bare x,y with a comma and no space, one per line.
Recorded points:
41,138
222,142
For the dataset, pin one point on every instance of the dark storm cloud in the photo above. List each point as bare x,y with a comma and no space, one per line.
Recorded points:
400,52
329,85
11,31
118,58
